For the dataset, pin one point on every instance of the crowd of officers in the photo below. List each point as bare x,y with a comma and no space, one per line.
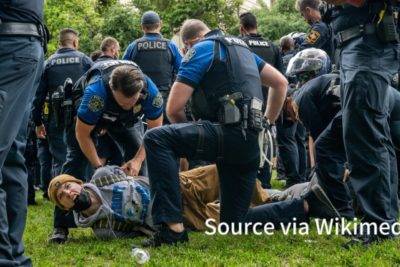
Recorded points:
156,112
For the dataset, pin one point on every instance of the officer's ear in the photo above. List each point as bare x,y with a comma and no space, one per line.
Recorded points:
75,43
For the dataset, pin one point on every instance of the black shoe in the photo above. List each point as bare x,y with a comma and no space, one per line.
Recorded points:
362,240
319,204
31,202
46,196
59,236
166,236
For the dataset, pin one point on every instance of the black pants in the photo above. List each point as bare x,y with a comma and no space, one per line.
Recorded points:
237,169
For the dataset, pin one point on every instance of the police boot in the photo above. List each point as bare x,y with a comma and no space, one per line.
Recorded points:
166,236
59,236
319,204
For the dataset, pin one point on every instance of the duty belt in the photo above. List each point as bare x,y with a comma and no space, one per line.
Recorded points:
18,28
354,32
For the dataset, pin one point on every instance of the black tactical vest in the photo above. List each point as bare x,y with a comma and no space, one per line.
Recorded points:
114,115
22,11
239,73
263,48
155,60
60,66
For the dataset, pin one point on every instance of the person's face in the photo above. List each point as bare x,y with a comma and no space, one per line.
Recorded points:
311,15
124,102
67,193
115,51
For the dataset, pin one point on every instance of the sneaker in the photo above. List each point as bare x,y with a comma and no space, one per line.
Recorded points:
166,236
319,204
59,236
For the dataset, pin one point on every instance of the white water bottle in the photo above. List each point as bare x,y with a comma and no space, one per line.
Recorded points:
141,256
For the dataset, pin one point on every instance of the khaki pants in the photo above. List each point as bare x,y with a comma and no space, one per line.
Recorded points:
200,193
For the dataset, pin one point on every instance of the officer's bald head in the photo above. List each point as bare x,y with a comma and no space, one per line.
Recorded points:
192,29
68,38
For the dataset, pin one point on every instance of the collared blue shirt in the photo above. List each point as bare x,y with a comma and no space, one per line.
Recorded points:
199,59
97,93
131,51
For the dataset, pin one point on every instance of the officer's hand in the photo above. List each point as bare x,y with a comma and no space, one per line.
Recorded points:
40,132
132,167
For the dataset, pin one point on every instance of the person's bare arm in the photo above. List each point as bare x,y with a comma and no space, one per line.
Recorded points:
132,167
82,132
277,83
178,97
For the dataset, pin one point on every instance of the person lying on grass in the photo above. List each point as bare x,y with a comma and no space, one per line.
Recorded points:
115,205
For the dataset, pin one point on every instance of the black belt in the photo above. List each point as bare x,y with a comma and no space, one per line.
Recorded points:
354,32
18,28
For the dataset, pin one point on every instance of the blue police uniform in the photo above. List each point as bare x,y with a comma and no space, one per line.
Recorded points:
319,110
205,69
21,66
158,58
319,36
65,63
395,127
367,65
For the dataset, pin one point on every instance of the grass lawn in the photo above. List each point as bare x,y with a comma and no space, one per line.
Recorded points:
84,249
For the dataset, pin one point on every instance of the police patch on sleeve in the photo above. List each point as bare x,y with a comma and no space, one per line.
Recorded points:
96,103
189,54
158,101
313,37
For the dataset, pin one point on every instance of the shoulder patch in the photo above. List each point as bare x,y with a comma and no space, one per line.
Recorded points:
158,101
189,54
313,36
96,103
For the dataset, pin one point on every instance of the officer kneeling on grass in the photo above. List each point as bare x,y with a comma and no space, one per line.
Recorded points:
224,79
116,94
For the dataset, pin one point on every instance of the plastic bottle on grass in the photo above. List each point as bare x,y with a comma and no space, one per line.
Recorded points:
141,256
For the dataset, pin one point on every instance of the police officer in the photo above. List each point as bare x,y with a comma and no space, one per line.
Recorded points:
271,54
265,49
67,62
367,36
320,34
157,57
22,36
318,102
224,79
116,94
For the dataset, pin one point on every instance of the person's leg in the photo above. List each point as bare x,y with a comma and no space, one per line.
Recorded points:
368,144
330,166
301,140
21,63
45,164
288,151
57,146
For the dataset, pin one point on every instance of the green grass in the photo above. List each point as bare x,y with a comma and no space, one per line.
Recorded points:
277,250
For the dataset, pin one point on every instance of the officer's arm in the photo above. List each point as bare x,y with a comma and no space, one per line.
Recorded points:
82,132
178,97
272,78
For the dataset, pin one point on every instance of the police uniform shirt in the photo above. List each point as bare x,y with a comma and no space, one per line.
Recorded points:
29,11
265,49
69,57
319,36
317,107
95,100
199,59
132,50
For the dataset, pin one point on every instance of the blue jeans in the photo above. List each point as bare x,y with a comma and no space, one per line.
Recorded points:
21,64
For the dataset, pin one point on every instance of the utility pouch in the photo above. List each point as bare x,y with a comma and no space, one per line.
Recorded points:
386,27
229,113
256,115
57,99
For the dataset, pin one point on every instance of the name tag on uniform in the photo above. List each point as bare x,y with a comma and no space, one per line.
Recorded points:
152,45
258,43
66,60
